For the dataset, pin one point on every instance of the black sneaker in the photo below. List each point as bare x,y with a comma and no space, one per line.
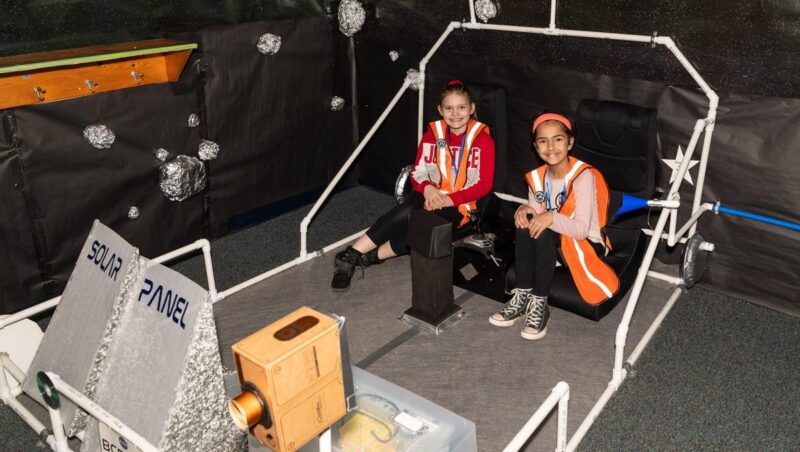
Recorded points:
370,258
345,264
514,309
536,321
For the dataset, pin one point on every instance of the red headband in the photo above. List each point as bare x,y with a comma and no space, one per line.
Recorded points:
455,82
551,117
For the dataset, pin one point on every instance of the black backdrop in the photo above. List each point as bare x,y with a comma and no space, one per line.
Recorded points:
52,181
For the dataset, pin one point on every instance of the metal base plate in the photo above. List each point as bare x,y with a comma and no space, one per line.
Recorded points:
438,328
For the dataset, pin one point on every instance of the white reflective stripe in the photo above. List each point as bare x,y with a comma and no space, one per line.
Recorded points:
537,183
572,172
439,131
471,135
591,277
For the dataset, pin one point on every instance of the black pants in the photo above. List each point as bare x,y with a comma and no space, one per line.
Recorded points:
392,227
536,259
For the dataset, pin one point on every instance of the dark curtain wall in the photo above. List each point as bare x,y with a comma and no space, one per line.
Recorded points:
270,114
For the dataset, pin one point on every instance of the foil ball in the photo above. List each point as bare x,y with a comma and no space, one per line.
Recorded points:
413,78
394,55
182,177
133,213
485,10
162,154
194,120
99,136
337,103
208,150
351,17
269,44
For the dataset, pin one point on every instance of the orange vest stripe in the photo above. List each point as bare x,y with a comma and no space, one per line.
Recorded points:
595,280
445,162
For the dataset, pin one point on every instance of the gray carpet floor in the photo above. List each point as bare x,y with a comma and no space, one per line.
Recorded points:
721,374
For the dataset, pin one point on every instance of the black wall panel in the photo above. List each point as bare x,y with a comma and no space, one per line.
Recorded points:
67,183
271,114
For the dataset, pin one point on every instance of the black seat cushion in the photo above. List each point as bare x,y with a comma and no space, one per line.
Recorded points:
621,141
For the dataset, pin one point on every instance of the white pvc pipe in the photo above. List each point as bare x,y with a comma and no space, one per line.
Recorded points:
11,367
690,223
553,14
645,340
664,235
31,420
101,414
348,239
325,443
560,396
33,310
622,330
57,426
293,263
257,279
701,173
179,252
212,284
8,396
423,63
664,277
591,417
472,11
307,219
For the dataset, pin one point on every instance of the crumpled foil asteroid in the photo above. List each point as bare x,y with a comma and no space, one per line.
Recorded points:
351,17
194,120
269,44
182,177
133,213
208,150
337,103
485,10
394,55
162,154
99,136
413,79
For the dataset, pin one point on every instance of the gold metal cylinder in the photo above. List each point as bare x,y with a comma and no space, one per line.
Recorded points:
246,410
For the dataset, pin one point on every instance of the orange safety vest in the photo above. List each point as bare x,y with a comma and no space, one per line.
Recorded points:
444,161
596,281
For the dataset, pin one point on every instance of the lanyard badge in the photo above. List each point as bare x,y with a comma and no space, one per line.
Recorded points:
459,154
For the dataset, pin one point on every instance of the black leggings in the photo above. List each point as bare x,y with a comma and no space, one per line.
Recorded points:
536,259
392,227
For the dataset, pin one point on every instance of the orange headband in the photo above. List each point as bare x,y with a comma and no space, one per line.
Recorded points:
551,117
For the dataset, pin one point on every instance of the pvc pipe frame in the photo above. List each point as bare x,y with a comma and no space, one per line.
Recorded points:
98,412
618,373
560,396
9,397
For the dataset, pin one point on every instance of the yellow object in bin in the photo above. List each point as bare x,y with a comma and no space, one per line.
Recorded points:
365,433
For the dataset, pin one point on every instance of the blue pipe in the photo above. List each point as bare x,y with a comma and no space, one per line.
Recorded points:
753,216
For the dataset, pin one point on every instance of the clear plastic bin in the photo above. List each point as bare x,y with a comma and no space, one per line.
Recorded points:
378,425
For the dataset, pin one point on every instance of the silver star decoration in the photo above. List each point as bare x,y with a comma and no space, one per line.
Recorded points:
676,163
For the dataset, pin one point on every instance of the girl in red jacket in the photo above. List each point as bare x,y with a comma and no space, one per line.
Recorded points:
453,169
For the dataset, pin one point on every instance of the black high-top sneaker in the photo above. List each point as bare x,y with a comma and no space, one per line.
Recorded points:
514,309
536,321
345,264
370,258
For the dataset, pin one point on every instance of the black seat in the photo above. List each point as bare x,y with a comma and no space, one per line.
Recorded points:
620,140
